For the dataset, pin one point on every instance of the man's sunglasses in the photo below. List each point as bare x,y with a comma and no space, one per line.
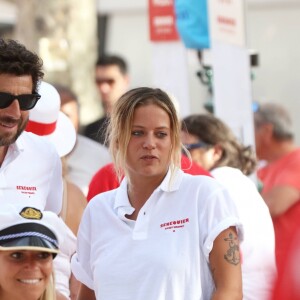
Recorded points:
109,81
196,146
26,101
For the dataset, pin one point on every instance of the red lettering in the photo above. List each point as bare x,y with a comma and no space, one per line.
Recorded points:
26,188
226,21
177,222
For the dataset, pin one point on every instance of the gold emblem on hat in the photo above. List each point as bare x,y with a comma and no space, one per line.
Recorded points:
31,213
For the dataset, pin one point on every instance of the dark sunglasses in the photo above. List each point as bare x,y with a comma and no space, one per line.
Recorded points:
196,146
109,81
26,101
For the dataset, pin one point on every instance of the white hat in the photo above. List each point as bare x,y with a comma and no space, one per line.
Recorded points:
28,228
46,120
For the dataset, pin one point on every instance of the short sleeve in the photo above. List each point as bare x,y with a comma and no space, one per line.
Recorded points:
218,213
81,260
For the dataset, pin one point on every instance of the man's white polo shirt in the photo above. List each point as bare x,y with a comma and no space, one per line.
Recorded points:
163,255
31,174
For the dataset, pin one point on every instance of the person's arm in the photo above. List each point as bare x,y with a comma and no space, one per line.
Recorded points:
85,293
76,205
225,266
280,198
60,296
74,287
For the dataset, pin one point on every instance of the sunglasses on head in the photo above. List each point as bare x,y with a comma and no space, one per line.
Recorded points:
196,145
26,101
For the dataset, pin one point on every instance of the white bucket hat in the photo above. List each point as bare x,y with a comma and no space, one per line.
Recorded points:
46,120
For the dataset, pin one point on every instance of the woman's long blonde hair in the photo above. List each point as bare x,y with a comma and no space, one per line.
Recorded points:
49,293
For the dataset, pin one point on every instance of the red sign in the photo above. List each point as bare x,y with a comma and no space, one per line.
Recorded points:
162,21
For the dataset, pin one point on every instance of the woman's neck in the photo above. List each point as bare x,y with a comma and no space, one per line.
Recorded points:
139,191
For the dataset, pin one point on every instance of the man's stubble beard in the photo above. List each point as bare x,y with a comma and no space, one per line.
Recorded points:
6,141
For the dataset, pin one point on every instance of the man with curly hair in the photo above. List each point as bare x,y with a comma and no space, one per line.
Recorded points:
30,168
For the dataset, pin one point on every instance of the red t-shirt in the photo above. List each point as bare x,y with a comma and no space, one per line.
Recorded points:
106,179
283,172
288,282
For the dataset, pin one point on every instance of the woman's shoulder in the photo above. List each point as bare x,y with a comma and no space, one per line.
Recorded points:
201,183
198,179
103,199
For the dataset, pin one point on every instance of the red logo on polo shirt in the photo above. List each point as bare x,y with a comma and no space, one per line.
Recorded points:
176,224
30,190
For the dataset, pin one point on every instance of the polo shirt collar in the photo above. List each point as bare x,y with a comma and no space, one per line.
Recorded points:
171,182
18,145
165,186
121,195
14,150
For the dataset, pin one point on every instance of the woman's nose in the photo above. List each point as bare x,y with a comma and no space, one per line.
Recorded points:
149,142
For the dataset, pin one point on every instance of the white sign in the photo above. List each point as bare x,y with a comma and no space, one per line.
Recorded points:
227,21
232,94
232,89
170,73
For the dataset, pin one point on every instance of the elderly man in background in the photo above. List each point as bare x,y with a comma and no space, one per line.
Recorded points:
275,145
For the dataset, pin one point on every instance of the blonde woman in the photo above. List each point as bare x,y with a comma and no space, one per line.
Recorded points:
162,234
29,241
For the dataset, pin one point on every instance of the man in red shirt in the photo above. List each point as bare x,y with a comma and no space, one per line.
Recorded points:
280,176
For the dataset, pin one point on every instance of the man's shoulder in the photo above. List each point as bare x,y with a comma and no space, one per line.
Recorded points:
96,124
290,159
35,143
296,153
88,145
96,130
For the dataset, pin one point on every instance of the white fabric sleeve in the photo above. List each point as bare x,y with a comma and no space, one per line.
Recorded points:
54,200
62,262
81,260
219,213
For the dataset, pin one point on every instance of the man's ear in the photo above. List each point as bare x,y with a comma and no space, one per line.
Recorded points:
267,131
126,78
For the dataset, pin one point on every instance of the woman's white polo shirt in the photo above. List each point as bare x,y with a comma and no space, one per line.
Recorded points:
162,255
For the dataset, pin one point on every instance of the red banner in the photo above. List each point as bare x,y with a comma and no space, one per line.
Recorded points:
162,21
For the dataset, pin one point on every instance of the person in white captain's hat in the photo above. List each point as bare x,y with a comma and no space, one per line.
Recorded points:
51,124
29,241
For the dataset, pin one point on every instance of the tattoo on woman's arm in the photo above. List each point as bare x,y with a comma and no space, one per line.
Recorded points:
233,253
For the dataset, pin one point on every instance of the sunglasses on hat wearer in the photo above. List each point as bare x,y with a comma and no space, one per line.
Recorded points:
26,101
196,145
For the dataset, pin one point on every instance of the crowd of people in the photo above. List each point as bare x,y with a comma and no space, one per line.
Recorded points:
141,204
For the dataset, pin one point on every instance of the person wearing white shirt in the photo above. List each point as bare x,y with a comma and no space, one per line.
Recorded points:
30,169
213,146
162,234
